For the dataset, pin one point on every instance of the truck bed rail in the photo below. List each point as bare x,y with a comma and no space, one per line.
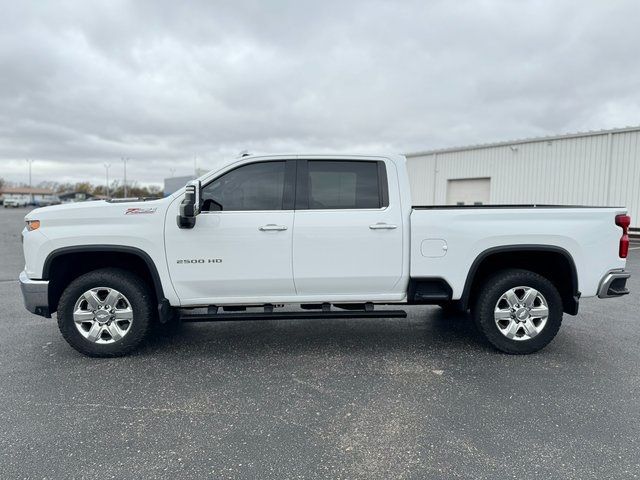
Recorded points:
532,205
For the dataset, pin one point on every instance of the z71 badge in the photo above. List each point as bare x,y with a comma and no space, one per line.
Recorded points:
140,211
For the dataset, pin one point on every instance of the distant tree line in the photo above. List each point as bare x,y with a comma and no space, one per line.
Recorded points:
116,188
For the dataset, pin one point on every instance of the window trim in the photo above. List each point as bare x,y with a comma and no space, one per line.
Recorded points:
302,185
383,184
288,192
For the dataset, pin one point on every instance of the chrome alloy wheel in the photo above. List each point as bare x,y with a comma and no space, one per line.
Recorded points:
103,315
521,313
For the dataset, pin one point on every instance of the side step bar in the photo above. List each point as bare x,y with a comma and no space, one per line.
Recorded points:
216,317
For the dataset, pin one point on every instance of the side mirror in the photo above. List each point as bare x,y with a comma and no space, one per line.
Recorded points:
190,206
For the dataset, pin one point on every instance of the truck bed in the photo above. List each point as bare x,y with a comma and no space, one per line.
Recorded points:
447,239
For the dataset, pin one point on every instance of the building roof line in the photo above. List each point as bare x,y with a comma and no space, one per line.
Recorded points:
26,191
523,140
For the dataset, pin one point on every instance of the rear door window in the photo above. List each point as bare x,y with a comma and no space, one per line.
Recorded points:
342,184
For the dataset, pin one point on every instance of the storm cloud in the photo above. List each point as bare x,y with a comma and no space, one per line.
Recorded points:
84,83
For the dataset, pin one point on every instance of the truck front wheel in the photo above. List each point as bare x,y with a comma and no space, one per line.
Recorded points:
105,313
518,311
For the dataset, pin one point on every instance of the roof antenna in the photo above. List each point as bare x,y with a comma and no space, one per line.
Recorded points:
244,153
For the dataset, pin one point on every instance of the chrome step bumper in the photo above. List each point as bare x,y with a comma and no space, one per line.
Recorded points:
614,284
35,294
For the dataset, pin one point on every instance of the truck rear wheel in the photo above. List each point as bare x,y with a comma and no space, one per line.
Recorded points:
105,313
518,311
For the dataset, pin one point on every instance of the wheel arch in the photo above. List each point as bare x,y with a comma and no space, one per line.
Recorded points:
65,264
553,262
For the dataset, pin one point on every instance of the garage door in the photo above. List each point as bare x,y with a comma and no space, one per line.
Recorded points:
468,191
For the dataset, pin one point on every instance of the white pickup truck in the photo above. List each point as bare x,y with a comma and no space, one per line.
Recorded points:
336,236
15,202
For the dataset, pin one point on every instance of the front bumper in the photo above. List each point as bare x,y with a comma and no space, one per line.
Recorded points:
35,294
614,284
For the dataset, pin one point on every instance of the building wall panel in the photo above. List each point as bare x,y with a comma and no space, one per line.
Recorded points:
597,169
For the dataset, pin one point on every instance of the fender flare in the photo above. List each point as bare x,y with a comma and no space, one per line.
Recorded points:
571,307
144,256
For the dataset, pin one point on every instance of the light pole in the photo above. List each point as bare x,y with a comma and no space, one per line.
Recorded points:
106,166
124,159
31,198
29,162
173,172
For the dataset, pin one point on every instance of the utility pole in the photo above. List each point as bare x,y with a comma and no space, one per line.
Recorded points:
31,197
124,159
106,166
29,162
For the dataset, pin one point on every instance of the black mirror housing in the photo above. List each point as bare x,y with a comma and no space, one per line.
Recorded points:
190,206
186,222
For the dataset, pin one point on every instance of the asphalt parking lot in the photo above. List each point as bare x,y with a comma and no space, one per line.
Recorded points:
415,398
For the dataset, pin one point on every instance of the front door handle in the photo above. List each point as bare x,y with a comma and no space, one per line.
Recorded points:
382,226
272,227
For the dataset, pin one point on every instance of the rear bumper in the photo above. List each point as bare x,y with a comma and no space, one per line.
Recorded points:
614,284
35,294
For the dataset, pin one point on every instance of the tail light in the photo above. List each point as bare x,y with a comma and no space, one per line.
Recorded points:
624,221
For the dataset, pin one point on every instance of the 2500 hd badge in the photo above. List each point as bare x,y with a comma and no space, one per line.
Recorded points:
200,260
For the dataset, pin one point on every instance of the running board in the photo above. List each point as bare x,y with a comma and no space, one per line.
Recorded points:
215,317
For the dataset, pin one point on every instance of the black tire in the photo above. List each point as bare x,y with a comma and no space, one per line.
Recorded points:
494,287
132,287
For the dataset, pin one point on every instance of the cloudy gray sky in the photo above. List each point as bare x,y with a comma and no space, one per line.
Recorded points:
84,83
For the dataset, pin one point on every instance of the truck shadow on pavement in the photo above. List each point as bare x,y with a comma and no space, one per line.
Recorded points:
422,330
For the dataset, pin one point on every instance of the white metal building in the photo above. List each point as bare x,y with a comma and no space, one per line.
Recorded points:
592,168
32,196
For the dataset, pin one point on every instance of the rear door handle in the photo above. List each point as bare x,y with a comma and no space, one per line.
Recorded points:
382,226
272,227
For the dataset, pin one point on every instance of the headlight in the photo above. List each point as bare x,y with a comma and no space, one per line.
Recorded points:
33,225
